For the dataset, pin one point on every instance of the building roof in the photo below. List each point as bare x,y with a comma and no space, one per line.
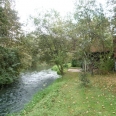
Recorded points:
97,46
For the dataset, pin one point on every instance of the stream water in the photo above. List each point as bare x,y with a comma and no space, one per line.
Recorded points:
14,97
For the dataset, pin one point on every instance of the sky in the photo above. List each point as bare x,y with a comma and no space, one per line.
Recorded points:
29,7
26,8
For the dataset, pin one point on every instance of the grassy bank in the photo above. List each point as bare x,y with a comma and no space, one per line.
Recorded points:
66,97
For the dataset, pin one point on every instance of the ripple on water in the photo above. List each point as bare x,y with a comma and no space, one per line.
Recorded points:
16,96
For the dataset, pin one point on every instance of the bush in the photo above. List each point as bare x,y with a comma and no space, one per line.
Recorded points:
84,79
76,63
55,68
9,65
68,65
106,65
65,66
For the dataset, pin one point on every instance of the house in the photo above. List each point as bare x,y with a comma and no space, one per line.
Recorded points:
97,50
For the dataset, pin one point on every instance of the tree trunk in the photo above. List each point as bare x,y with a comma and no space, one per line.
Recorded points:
61,69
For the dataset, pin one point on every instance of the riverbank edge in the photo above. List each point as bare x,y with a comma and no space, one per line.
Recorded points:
67,97
54,87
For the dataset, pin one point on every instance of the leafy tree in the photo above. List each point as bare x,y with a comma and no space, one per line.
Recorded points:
53,46
112,11
9,23
10,65
9,37
28,49
92,28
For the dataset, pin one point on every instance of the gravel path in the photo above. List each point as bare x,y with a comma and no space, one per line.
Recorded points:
74,70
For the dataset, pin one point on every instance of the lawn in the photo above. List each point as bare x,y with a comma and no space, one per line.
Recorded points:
67,97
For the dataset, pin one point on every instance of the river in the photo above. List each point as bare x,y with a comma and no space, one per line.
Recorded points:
14,97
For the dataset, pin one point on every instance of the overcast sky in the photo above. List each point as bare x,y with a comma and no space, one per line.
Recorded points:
29,7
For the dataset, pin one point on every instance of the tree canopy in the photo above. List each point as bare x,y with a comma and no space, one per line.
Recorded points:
57,40
9,23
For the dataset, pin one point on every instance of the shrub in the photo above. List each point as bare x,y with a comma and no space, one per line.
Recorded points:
84,79
65,66
55,68
105,65
9,65
68,65
74,63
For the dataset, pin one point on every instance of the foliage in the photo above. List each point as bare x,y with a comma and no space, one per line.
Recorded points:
84,78
57,40
55,68
93,28
9,66
106,64
9,23
53,45
53,50
112,11
9,39
66,66
76,63
29,51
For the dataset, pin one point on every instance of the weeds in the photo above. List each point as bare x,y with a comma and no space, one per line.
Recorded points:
84,79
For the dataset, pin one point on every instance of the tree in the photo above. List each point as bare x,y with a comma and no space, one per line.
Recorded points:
93,29
28,49
53,46
9,37
10,65
112,10
9,23
112,18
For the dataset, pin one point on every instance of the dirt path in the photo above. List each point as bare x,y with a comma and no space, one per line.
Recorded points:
74,70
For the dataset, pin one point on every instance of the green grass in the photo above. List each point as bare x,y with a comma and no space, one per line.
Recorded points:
66,66
66,97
